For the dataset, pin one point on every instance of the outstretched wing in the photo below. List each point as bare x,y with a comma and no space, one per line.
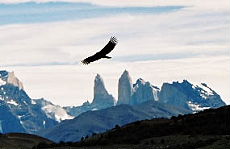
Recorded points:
110,46
92,58
107,49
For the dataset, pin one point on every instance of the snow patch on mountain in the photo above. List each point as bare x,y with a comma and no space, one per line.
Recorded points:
56,112
23,113
204,90
187,95
196,107
12,102
44,124
33,102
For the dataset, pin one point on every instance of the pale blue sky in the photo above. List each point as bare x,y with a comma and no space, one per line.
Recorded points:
32,12
160,41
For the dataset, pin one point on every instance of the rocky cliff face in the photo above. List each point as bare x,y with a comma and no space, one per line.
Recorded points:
20,113
12,79
184,94
137,93
8,121
101,100
187,95
101,97
31,117
144,91
125,89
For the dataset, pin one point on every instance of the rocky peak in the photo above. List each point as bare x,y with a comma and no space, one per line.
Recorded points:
3,77
99,87
87,103
144,91
125,88
101,95
184,83
171,94
187,95
207,89
139,82
10,78
3,74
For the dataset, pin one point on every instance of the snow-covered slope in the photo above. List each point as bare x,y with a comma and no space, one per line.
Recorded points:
53,111
187,95
20,113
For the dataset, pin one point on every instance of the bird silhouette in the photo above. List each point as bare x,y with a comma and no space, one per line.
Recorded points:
103,53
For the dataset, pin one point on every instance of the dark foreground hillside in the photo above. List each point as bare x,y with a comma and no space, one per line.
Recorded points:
204,130
20,141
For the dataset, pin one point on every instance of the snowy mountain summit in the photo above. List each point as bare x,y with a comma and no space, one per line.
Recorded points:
189,96
20,113
10,78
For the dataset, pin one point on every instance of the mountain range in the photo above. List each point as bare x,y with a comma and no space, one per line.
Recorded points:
206,129
92,122
20,113
183,94
136,101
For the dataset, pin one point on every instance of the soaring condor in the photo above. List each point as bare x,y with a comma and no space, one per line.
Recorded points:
103,53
